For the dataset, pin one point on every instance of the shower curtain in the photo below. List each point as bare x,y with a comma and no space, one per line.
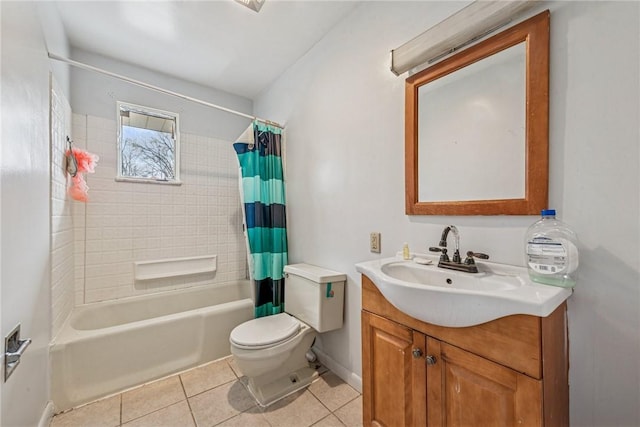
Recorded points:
259,152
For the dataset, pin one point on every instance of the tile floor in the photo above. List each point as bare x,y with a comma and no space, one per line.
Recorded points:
215,395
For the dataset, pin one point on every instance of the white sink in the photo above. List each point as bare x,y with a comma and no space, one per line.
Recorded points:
457,299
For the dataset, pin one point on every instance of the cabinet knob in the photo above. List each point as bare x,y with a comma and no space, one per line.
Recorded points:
431,360
417,353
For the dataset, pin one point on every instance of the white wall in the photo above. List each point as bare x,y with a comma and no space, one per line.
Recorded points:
127,222
24,177
56,42
124,222
344,115
95,94
62,248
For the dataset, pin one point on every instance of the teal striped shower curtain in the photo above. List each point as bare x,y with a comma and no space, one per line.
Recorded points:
263,198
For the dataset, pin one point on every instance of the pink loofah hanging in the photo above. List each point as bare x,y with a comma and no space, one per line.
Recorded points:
86,163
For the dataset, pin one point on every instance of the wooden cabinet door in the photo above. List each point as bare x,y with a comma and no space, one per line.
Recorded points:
394,389
477,392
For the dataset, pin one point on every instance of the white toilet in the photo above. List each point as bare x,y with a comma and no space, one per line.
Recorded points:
271,351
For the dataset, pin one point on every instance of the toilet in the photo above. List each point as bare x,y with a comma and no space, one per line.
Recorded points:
272,351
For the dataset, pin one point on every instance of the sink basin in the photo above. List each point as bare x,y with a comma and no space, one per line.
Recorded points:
458,299
447,279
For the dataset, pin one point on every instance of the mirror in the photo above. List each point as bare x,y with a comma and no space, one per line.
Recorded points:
476,128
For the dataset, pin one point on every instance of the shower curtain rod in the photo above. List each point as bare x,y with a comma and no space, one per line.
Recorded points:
158,89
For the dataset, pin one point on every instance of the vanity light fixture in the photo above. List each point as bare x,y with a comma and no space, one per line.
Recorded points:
254,5
459,30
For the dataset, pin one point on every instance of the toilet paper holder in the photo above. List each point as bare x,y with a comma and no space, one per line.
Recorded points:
14,347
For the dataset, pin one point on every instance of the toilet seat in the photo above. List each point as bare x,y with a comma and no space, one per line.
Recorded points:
264,332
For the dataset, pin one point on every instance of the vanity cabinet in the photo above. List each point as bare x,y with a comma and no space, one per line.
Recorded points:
508,372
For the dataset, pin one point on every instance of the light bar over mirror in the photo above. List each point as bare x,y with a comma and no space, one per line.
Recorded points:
469,24
254,5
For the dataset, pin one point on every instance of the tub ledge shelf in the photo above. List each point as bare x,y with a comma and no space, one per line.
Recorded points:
172,267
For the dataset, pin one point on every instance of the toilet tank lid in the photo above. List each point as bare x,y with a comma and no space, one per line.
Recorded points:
315,273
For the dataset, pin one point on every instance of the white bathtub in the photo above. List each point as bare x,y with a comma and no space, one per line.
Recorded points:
109,346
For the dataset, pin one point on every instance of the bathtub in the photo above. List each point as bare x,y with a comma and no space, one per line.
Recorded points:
106,347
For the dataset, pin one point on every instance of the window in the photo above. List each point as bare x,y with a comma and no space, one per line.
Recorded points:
148,145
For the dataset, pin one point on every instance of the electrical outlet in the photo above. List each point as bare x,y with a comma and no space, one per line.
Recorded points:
374,242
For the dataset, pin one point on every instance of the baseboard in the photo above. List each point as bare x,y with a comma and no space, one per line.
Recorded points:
347,376
47,415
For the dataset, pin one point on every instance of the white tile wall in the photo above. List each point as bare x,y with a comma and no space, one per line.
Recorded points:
79,130
62,239
124,222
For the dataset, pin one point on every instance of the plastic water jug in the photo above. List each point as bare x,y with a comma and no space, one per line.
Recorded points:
551,251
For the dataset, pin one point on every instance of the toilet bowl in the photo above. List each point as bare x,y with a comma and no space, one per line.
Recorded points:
271,351
260,347
274,361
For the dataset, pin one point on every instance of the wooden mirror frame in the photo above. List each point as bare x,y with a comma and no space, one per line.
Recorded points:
535,33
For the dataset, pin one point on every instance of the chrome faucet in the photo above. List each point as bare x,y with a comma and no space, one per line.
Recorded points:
456,263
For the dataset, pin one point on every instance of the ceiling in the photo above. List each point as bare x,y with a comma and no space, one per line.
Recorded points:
215,43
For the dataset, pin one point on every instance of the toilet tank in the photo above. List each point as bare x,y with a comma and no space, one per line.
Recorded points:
314,295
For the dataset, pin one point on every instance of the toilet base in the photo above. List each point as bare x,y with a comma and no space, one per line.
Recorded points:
270,392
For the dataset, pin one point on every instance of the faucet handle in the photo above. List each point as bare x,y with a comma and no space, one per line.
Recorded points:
471,255
444,257
478,255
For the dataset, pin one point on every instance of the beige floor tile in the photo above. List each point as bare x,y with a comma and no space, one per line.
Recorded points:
330,421
332,391
103,413
234,365
301,409
206,377
251,418
151,397
351,413
176,415
221,403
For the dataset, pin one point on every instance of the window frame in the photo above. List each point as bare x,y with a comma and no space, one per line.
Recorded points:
153,112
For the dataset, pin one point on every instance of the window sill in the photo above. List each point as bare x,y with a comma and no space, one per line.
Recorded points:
148,181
